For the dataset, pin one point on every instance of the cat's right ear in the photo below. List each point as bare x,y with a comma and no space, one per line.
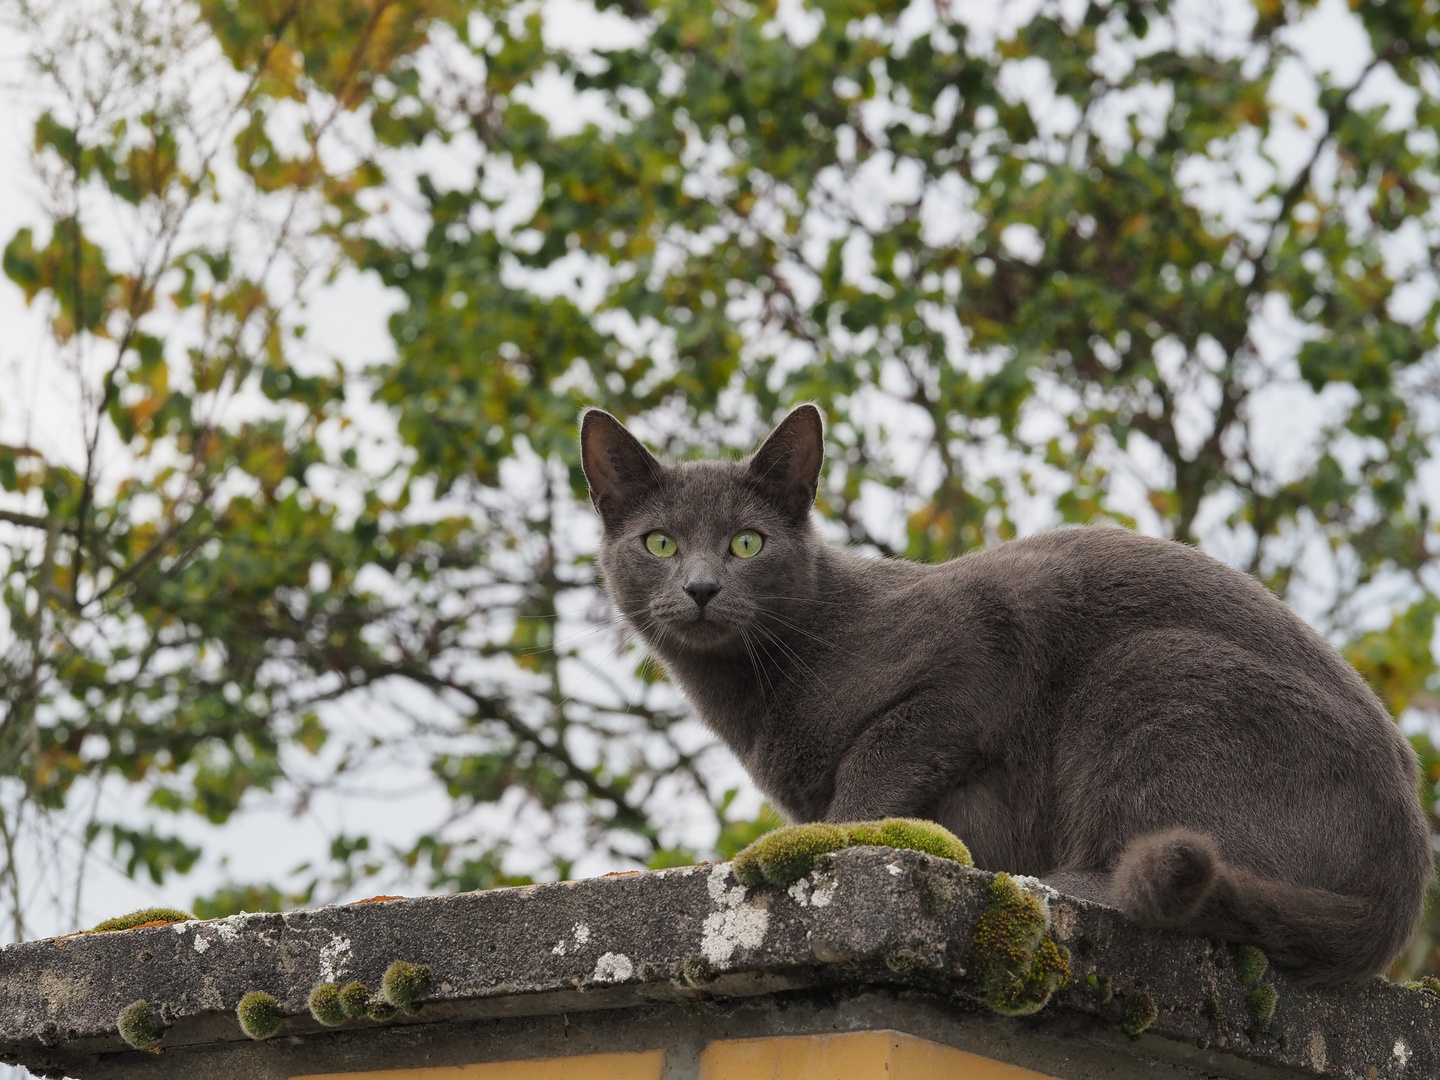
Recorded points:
618,469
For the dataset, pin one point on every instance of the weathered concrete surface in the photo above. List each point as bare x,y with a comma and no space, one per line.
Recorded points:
872,938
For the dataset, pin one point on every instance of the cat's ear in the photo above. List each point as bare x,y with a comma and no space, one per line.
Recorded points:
618,469
787,467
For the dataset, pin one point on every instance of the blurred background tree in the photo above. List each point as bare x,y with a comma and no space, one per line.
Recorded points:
1166,264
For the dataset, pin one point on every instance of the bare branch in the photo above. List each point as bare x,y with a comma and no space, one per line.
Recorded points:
29,521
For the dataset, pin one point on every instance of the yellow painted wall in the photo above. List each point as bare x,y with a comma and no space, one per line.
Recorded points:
851,1055
644,1066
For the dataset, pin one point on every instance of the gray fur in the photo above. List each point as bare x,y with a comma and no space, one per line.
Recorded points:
1124,716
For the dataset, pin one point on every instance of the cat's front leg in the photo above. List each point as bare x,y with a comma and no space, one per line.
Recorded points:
902,765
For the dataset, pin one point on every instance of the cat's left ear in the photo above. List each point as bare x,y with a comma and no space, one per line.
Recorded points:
619,470
787,467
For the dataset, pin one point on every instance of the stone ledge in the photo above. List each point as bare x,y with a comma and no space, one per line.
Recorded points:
686,942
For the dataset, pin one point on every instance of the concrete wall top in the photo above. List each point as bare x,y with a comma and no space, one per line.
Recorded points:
872,937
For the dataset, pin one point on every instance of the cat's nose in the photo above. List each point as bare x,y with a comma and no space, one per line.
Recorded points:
702,592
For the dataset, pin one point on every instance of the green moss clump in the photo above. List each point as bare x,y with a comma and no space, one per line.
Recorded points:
326,1006
355,1000
1213,1012
138,1027
403,983
380,1009
145,916
912,834
784,856
1017,962
1140,1013
259,1014
1250,964
1261,1007
1426,983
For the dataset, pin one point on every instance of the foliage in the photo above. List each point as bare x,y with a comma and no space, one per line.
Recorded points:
233,899
1107,264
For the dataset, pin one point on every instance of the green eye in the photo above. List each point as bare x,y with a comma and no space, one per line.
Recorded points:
657,543
746,544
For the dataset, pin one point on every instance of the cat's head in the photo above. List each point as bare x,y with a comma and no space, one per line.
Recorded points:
696,552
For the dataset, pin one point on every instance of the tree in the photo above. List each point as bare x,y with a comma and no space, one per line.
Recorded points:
1107,264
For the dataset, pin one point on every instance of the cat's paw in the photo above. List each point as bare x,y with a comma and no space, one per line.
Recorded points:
786,855
1016,961
1162,879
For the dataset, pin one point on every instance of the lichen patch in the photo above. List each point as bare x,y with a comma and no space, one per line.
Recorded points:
1036,888
334,958
580,932
613,968
229,929
815,890
717,883
737,924
208,933
742,926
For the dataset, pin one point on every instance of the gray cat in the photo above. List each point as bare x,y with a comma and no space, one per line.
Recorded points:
1125,717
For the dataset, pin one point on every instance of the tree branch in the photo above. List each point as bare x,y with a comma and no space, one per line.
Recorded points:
29,521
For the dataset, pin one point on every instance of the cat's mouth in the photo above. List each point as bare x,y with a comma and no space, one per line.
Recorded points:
699,627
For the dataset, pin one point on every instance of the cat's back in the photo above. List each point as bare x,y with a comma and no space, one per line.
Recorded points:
1029,623
1078,590
1127,564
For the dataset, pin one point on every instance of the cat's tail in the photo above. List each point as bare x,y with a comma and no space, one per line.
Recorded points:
1177,880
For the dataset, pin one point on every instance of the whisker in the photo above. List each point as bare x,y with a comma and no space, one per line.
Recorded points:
806,670
800,660
595,670
797,628
622,618
564,643
761,679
